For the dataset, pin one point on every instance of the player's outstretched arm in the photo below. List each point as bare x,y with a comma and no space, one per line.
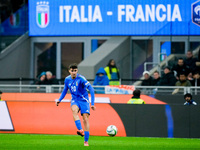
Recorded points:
90,88
64,92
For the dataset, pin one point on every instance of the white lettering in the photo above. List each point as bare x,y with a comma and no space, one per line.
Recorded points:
75,14
67,9
120,12
139,14
130,10
83,18
69,13
160,17
168,12
90,13
97,14
196,19
61,13
176,13
128,13
150,12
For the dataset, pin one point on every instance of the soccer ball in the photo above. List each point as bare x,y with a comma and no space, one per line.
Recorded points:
111,130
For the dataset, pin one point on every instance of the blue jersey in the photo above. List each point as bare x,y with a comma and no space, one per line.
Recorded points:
192,102
78,89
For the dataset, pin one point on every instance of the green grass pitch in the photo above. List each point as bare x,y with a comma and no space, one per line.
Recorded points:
73,142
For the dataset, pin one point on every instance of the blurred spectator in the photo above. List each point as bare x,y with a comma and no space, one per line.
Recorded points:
42,79
136,98
196,79
183,80
112,72
148,80
189,61
1,95
181,67
190,76
197,64
156,78
197,67
168,78
189,100
50,79
101,79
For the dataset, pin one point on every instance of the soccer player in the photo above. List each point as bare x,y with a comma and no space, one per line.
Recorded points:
77,84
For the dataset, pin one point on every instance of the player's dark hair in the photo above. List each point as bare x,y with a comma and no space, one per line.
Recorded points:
73,66
1,92
187,95
136,92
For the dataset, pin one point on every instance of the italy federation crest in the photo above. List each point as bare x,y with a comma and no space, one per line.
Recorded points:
42,14
196,13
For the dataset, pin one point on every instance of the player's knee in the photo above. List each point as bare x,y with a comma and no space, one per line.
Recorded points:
74,108
74,111
85,118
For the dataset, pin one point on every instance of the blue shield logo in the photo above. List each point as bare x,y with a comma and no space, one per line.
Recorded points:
196,13
42,14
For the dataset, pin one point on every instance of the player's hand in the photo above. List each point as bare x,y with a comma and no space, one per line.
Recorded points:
57,103
93,107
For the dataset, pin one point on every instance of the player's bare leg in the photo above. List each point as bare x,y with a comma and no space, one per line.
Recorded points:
86,128
86,122
75,110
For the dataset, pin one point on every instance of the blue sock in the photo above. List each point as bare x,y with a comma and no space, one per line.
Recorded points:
78,124
86,136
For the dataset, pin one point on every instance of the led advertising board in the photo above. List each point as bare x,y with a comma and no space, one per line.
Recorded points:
112,17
